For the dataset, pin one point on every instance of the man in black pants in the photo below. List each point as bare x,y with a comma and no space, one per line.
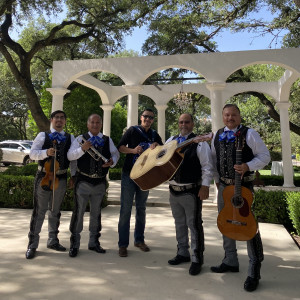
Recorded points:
42,149
188,188
255,156
90,183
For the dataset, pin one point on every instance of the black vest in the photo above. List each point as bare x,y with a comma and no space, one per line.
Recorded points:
226,155
90,166
190,168
61,151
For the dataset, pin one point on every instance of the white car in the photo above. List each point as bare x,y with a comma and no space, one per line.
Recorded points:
16,152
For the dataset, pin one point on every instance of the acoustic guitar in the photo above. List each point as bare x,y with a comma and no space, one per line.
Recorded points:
155,166
236,219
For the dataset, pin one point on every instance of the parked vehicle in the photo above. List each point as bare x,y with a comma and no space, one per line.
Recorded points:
16,152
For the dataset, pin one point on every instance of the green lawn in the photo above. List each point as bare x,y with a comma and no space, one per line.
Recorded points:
268,172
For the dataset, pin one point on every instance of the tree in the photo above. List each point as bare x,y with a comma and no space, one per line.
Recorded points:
92,25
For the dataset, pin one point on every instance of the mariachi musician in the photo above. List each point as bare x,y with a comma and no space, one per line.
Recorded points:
94,153
50,150
188,188
254,156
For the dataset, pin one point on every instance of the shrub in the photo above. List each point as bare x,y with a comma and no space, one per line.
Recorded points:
293,202
27,170
277,180
115,174
1,154
270,206
17,192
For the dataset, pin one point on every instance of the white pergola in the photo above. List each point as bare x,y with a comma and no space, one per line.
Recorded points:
214,67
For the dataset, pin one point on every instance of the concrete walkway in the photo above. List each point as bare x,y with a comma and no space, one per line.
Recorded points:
54,275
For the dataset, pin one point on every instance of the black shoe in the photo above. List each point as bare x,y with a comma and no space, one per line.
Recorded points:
30,253
195,268
251,284
222,268
178,259
57,247
73,252
98,249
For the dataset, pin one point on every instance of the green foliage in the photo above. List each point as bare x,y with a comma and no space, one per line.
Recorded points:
1,154
17,192
78,105
115,174
270,206
293,201
27,170
118,121
275,180
276,155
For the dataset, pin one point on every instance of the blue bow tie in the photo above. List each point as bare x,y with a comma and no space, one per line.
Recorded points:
56,136
180,139
96,141
227,136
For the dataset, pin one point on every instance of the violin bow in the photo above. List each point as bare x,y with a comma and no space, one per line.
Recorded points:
54,175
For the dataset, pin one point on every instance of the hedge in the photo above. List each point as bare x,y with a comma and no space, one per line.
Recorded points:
17,192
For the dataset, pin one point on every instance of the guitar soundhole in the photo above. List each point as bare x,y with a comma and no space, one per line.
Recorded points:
237,201
161,153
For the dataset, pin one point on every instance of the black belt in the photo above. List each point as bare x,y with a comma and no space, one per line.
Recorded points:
183,188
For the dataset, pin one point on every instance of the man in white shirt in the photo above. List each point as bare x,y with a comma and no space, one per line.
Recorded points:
188,188
47,148
90,181
254,156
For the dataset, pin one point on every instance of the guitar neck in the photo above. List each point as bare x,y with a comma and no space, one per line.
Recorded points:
199,138
238,178
185,143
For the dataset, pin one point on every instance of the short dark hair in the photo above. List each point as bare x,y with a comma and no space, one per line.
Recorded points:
53,114
149,109
232,105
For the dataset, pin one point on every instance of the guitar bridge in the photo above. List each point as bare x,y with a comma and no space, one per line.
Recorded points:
234,222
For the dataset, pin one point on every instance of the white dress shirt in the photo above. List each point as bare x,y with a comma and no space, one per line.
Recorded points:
37,153
204,155
76,152
258,147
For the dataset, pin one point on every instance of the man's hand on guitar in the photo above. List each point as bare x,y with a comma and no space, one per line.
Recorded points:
241,169
152,146
138,150
203,192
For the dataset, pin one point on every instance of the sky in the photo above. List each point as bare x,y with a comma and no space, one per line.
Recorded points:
226,41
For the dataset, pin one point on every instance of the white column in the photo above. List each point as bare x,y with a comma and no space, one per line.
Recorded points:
217,103
161,121
133,103
57,97
288,173
106,118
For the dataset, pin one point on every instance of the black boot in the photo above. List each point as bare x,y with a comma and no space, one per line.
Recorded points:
73,251
251,283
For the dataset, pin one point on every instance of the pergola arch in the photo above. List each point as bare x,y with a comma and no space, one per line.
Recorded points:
214,67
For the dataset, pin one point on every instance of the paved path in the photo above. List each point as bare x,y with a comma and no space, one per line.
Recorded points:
158,196
140,276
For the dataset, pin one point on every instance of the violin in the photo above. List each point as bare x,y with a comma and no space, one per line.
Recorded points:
50,182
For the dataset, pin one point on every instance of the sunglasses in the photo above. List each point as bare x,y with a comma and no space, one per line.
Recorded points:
148,117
